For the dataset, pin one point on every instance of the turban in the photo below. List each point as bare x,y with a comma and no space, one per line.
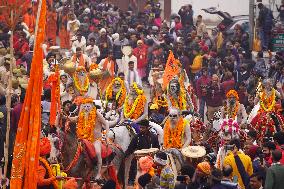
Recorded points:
115,36
204,167
103,30
145,163
232,93
45,146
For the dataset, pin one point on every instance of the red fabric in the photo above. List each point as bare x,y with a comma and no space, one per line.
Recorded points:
113,176
178,26
228,85
158,22
141,55
92,152
282,159
203,80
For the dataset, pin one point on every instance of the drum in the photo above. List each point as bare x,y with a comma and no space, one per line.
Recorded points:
145,152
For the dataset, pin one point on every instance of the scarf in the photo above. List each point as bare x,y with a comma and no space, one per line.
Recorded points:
81,60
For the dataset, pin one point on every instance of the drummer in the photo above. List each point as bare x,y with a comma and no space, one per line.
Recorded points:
144,140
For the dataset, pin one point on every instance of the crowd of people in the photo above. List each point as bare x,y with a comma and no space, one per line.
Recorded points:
189,107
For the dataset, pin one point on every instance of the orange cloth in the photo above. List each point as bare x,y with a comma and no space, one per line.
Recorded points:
146,164
63,34
41,181
81,60
44,146
70,184
204,167
26,149
30,21
172,69
51,25
107,80
54,80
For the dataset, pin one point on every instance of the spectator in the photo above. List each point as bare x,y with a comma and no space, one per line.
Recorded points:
256,181
186,15
275,174
281,11
215,179
265,24
227,180
260,66
200,26
240,163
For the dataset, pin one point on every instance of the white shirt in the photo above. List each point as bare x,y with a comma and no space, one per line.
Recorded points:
86,59
81,44
133,77
93,91
126,60
93,51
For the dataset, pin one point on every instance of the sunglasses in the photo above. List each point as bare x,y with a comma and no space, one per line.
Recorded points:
173,115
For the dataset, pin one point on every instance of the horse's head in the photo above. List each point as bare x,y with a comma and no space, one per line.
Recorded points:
55,148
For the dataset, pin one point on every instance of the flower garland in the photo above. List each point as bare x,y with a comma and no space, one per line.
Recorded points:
82,89
267,104
120,95
230,126
232,112
85,127
49,170
173,137
135,110
181,103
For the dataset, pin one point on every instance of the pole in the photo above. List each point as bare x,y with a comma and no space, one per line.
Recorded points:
251,23
8,102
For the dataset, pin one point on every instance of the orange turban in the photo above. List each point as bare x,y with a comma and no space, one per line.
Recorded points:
204,167
45,146
232,93
70,184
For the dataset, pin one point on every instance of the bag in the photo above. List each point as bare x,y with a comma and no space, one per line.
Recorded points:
242,171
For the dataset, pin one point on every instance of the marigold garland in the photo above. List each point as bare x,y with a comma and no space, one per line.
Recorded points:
181,103
173,137
232,112
267,104
49,170
136,109
82,89
85,127
120,95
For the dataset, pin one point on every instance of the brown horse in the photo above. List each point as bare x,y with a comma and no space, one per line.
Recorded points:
75,159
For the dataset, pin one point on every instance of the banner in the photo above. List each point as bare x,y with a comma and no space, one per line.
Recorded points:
172,69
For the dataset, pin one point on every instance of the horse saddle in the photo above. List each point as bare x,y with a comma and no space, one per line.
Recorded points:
91,151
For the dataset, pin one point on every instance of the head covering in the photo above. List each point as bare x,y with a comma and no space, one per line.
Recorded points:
154,107
155,28
205,48
194,151
103,30
145,163
252,152
115,36
87,10
144,122
204,167
232,93
45,146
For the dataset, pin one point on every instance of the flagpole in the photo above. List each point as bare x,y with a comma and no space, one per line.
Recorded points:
8,102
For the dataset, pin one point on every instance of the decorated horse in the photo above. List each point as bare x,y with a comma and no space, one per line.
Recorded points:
264,118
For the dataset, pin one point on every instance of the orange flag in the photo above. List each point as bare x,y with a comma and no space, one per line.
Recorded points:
26,149
172,69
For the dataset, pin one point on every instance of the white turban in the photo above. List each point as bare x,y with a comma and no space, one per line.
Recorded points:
103,30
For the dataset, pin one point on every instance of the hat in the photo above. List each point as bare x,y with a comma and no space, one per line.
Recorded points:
70,184
204,167
161,158
154,107
1,115
44,146
144,122
87,10
194,151
115,36
103,30
155,28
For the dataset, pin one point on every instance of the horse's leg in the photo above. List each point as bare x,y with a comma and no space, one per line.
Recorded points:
98,147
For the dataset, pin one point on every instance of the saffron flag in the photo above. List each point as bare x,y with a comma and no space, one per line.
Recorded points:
172,69
26,149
